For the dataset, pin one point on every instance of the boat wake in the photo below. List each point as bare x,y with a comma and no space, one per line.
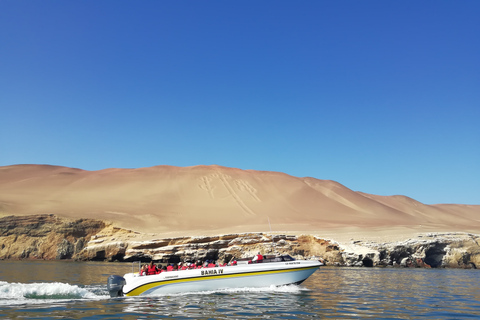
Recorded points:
39,293
17,293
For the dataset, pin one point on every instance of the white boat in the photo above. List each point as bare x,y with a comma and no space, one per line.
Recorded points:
278,271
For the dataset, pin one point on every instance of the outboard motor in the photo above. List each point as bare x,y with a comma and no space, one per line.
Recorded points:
115,285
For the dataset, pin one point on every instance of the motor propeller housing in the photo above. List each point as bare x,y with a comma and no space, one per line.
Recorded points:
115,285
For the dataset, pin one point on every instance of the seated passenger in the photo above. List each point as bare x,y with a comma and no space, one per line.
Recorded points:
211,264
170,267
143,270
258,258
152,268
159,269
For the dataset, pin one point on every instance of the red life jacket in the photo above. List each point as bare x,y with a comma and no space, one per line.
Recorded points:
151,270
259,257
169,268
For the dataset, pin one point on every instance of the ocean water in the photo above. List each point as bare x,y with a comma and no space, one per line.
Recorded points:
77,290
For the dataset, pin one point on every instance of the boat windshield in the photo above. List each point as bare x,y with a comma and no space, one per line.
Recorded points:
279,259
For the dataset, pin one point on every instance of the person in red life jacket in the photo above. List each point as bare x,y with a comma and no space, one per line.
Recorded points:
211,264
258,258
152,269
159,269
170,267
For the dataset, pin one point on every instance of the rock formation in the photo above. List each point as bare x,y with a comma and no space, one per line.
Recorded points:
45,236
50,237
433,250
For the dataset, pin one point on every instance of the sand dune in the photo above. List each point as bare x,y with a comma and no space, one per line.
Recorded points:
165,199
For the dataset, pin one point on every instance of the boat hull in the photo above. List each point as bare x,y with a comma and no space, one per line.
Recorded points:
252,276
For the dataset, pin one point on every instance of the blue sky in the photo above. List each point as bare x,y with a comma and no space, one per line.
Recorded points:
381,96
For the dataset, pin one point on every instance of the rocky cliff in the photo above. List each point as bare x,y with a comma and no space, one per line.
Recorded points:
50,237
45,236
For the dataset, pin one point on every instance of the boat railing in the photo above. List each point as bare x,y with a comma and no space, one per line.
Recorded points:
266,259
138,264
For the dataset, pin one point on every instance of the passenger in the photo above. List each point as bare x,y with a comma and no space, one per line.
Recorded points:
143,270
159,269
170,267
184,266
211,264
152,268
258,258
164,269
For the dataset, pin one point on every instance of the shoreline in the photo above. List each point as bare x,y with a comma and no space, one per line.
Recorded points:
50,237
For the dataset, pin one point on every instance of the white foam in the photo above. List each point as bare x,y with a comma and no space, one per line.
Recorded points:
23,292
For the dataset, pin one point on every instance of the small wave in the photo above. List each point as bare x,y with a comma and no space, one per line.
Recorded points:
42,291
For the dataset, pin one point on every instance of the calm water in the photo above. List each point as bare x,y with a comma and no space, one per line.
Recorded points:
73,290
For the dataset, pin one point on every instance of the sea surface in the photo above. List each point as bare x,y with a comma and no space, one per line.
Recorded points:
77,290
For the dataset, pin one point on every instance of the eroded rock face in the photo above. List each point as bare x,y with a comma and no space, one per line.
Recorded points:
45,236
211,248
453,250
49,237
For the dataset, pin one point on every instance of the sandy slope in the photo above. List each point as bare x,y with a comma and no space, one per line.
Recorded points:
212,199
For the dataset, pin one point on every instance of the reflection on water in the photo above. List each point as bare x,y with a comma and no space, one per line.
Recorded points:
404,293
60,271
47,290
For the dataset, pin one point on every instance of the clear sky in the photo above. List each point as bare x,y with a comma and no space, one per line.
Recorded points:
381,96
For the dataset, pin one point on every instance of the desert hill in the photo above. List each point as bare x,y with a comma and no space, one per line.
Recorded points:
166,199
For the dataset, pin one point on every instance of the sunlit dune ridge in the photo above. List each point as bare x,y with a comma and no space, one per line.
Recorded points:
166,198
